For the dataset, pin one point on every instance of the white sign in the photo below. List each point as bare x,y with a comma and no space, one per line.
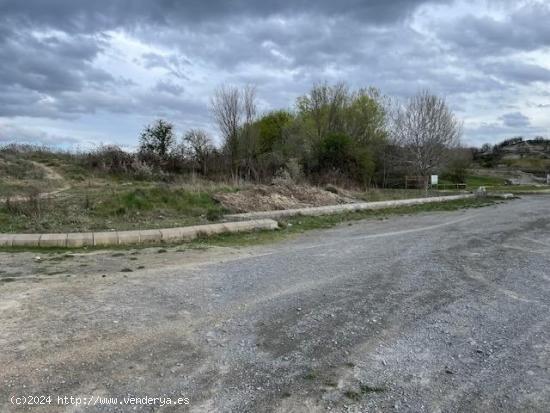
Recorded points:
434,179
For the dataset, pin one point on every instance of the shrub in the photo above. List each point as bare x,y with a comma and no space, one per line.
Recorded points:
110,159
157,139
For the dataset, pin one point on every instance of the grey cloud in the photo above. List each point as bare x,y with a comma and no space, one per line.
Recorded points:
174,64
515,120
53,48
518,72
167,86
525,28
52,63
10,133
90,16
495,131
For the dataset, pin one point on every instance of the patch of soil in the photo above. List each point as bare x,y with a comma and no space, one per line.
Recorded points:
279,196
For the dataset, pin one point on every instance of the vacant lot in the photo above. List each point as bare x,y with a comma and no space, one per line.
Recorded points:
442,312
83,199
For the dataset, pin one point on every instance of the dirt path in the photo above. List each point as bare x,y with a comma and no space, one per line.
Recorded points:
52,175
441,312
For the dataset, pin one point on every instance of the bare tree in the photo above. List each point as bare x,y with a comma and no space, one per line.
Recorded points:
235,112
249,104
249,138
199,145
227,110
324,105
425,129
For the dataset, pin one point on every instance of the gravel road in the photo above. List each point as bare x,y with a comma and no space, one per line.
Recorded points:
440,312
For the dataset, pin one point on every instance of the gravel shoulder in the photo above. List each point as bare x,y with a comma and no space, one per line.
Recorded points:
431,312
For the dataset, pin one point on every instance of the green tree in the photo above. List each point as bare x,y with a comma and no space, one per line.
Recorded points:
158,139
344,130
271,130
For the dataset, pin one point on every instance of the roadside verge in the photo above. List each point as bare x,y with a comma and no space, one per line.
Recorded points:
247,222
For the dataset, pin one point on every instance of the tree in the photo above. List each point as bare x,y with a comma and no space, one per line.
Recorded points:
235,112
459,161
322,109
365,117
425,128
226,108
333,115
158,139
248,133
199,146
338,152
335,152
271,130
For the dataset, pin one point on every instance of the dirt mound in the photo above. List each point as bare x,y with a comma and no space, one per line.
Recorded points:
276,197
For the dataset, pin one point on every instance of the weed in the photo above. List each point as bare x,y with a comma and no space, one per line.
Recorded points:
365,389
7,279
310,375
352,395
54,273
214,214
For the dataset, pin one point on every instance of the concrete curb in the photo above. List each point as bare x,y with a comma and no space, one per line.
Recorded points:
336,209
104,239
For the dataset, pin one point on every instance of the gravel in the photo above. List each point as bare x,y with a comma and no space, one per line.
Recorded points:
438,312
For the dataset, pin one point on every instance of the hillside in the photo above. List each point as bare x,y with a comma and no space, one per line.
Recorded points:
518,155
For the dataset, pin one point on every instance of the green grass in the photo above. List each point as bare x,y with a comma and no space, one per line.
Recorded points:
534,165
103,207
374,195
475,181
134,202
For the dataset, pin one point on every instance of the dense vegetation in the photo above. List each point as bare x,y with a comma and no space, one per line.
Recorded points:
354,138
333,134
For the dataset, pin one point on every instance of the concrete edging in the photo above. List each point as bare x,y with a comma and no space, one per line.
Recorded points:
336,209
143,237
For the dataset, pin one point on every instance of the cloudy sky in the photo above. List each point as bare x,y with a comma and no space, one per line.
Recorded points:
79,73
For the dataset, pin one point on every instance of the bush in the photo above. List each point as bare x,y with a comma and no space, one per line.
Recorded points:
158,139
110,159
214,214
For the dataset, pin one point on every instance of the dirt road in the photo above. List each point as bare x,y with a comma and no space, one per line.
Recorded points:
440,312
